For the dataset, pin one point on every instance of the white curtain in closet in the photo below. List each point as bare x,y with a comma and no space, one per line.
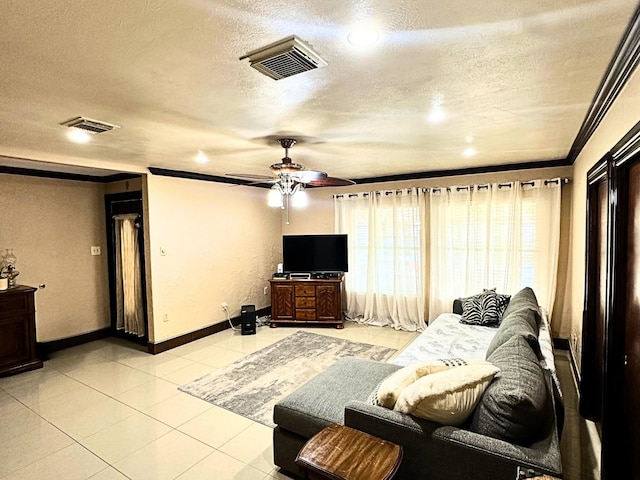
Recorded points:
130,313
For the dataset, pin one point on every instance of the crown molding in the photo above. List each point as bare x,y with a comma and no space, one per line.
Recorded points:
623,64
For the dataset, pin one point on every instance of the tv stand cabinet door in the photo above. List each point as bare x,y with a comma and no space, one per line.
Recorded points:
328,302
282,301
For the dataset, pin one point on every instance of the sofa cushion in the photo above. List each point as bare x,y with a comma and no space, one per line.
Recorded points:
321,401
391,387
524,299
516,405
521,322
447,397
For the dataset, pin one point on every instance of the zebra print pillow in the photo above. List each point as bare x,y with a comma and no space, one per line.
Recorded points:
502,301
481,309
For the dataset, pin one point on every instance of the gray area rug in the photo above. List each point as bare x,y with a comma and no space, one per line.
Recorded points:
252,385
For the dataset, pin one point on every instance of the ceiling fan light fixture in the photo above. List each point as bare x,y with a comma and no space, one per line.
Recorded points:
300,199
274,199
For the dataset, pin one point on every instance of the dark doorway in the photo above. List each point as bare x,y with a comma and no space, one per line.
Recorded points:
125,249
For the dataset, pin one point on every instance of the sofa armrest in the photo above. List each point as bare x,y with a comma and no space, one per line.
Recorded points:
541,456
435,452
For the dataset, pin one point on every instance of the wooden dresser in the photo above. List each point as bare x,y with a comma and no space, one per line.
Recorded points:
301,301
18,331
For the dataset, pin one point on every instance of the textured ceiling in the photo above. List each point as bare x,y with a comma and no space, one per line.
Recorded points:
515,79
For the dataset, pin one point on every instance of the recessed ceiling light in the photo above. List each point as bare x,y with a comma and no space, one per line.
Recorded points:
201,157
469,152
78,136
362,36
436,115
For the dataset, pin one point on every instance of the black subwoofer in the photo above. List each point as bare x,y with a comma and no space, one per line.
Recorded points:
248,320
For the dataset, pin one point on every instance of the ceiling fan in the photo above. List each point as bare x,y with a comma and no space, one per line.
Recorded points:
291,177
287,169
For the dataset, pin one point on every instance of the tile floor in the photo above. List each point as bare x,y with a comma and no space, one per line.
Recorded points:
107,410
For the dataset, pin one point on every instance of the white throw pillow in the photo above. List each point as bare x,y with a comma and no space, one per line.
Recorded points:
392,386
449,396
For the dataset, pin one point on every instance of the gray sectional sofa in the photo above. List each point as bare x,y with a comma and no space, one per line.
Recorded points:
515,424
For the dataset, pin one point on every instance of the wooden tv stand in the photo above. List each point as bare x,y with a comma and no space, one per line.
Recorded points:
312,301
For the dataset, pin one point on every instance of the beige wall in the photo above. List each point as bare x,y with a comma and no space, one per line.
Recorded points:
52,224
222,244
622,116
318,217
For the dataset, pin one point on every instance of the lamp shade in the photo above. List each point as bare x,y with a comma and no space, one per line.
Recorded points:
300,199
275,197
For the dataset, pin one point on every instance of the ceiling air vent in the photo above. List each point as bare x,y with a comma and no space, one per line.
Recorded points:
284,58
93,126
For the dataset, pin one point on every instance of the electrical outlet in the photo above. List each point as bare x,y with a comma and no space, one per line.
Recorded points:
95,250
266,290
224,306
165,317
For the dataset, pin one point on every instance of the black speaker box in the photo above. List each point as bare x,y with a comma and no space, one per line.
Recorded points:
248,320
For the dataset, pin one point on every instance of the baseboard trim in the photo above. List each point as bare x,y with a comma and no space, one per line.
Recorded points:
565,344
155,348
45,348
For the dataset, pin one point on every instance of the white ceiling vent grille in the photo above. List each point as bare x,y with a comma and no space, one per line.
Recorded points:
92,126
284,58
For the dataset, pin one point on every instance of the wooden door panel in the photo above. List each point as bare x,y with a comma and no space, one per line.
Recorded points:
632,324
601,298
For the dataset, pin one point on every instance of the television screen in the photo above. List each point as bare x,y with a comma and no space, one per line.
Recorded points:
315,253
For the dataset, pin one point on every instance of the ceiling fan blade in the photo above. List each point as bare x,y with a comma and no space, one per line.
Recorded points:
332,182
244,176
308,176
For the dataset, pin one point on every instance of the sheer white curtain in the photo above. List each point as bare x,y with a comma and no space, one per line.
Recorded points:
499,235
385,284
130,313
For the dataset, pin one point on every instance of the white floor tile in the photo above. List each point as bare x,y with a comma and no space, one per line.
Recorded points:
178,409
50,387
110,378
30,446
93,418
216,426
260,453
148,394
71,463
165,458
108,473
126,437
189,374
221,466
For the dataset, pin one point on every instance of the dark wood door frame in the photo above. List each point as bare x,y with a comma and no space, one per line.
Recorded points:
614,167
616,454
593,343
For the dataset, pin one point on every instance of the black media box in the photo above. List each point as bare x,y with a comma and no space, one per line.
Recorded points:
248,320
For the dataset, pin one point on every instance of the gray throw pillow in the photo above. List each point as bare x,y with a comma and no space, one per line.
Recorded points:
516,406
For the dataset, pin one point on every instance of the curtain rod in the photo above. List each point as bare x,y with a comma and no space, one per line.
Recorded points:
437,189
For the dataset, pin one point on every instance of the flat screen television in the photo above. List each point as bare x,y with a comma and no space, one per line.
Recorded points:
314,253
